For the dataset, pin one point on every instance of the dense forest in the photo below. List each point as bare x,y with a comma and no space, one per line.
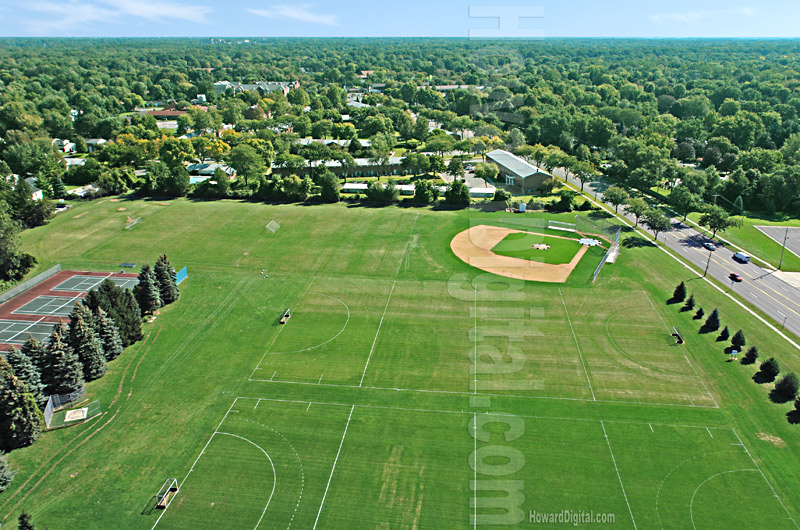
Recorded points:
711,118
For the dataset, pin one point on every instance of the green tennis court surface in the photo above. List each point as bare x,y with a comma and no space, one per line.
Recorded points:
83,284
17,331
58,306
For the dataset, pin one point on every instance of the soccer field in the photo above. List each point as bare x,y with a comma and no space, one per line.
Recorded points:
406,390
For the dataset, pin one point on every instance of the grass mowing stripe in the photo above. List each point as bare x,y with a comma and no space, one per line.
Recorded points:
614,460
321,504
572,329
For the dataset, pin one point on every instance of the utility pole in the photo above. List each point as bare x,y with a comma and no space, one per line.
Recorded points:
785,237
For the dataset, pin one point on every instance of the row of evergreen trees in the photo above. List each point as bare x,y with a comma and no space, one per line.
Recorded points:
106,321
786,389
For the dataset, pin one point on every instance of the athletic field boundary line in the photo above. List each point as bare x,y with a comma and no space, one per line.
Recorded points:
347,308
324,495
459,392
765,478
280,328
216,430
621,485
24,330
375,341
274,473
575,337
696,374
497,414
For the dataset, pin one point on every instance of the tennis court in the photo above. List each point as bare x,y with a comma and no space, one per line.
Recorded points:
57,306
84,284
17,331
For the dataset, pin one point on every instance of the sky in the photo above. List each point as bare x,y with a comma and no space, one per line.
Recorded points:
405,18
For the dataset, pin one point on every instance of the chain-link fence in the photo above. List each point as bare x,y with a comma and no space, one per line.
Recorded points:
612,251
58,401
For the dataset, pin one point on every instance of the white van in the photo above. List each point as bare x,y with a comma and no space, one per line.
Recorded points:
741,256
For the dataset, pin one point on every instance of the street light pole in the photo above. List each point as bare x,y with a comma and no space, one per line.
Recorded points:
708,263
785,237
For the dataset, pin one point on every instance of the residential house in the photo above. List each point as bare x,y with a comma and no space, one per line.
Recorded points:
95,144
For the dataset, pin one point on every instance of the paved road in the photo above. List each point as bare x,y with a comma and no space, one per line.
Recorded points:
760,287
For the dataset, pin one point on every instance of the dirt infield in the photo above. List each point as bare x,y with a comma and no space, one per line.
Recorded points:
474,247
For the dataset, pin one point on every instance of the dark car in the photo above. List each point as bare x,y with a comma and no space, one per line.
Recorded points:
735,277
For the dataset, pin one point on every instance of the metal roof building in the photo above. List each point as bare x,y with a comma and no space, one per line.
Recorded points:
517,172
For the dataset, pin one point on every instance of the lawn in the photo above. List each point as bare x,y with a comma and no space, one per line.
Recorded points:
361,411
521,245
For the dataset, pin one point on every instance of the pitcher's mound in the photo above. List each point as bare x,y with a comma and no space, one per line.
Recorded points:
474,247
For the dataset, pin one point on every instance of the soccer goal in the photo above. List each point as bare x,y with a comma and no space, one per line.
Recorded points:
286,315
132,223
166,493
272,227
566,227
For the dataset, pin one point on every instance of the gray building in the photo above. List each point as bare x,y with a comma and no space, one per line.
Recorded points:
517,173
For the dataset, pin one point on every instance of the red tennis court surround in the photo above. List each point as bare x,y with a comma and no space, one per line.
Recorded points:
19,316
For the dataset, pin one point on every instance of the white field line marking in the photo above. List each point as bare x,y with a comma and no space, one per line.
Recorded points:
691,503
498,414
475,367
280,328
758,468
458,392
347,308
651,427
65,303
198,458
696,374
308,407
709,432
334,466
375,341
24,330
274,474
475,469
608,442
566,311
320,379
273,375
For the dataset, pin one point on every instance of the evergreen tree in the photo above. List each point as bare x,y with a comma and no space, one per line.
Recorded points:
24,522
167,284
689,305
84,342
787,386
147,292
59,191
20,418
679,295
751,356
712,323
121,306
699,314
23,368
109,336
724,334
6,472
738,341
770,369
36,351
63,373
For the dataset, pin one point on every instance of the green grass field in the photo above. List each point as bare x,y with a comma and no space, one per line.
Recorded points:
369,408
520,245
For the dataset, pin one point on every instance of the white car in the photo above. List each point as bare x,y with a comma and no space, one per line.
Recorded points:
741,256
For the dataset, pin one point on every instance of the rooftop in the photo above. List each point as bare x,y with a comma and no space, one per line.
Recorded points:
514,164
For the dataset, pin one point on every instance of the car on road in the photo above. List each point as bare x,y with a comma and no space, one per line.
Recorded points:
741,256
709,245
735,277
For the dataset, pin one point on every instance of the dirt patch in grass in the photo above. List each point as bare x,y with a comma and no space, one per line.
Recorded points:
774,440
121,209
79,215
